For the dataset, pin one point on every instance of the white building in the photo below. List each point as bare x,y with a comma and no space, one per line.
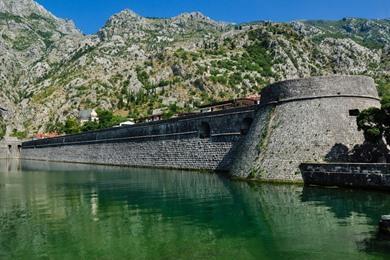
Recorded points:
88,115
127,123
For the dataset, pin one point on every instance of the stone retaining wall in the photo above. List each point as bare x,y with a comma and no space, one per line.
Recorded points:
201,142
347,175
10,148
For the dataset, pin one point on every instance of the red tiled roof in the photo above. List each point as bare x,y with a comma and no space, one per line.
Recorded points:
45,135
233,101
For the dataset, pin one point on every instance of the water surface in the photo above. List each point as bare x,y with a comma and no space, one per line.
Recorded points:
72,211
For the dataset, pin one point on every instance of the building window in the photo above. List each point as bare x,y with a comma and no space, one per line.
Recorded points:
354,112
246,125
204,130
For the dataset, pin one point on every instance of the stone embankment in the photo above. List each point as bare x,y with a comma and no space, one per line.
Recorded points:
200,142
355,175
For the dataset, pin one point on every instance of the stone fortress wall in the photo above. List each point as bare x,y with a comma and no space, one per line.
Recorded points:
9,150
200,142
303,121
297,121
10,147
361,175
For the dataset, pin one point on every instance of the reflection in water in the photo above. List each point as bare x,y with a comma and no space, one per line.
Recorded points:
346,204
52,210
379,243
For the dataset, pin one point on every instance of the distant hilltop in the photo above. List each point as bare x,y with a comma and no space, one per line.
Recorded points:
49,70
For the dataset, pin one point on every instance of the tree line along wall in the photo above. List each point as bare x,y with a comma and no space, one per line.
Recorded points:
201,142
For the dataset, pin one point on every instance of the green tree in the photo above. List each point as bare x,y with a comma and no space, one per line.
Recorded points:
375,123
19,134
55,127
108,119
72,126
90,126
116,120
105,118
172,110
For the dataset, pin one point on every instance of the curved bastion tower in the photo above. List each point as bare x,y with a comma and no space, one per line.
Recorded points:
303,120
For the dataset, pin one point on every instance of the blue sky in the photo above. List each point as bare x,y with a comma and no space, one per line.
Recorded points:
90,15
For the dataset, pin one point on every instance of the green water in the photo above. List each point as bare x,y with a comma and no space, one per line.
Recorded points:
71,211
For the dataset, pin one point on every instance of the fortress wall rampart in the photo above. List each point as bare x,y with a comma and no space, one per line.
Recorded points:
307,132
305,123
201,142
190,153
10,148
297,121
319,87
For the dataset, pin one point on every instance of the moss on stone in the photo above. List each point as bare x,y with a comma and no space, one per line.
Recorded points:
265,133
3,128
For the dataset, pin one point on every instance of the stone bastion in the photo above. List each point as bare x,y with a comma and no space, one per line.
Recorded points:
303,120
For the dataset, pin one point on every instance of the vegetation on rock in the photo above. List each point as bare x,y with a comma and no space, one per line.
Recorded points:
19,134
136,64
73,126
375,123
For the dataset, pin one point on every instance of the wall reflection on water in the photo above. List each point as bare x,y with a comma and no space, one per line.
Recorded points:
10,166
346,204
70,210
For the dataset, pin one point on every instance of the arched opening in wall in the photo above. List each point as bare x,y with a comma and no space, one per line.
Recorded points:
10,148
354,112
204,130
246,125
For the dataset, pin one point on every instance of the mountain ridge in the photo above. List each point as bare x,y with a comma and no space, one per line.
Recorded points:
135,65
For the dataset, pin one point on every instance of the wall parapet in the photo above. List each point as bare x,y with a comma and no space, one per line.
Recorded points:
223,124
319,86
355,175
304,98
198,142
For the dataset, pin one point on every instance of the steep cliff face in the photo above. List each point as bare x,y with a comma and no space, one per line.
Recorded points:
49,70
22,8
31,41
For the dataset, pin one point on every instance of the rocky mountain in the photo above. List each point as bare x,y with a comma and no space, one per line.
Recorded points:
133,65
30,39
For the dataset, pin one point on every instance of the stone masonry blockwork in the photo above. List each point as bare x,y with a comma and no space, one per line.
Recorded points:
172,143
308,118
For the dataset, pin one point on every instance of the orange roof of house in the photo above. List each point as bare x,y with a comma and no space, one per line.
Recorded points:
45,135
255,97
232,101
